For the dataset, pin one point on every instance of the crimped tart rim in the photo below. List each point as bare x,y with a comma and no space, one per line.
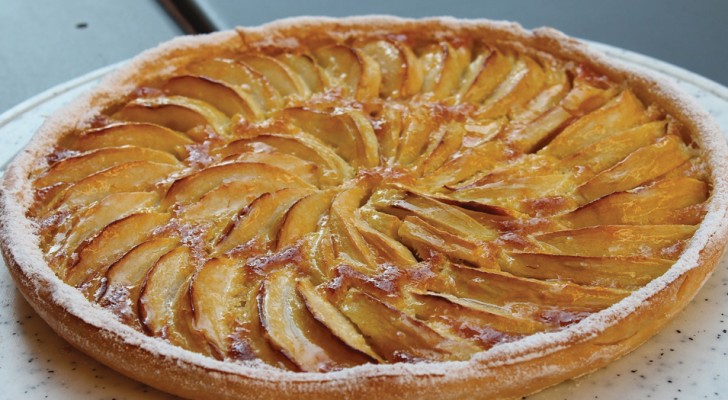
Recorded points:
21,244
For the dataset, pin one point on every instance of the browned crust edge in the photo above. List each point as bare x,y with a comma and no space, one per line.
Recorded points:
533,364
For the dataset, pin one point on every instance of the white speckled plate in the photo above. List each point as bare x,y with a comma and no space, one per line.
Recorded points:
687,360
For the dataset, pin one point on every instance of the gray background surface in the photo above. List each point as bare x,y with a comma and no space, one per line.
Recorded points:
42,43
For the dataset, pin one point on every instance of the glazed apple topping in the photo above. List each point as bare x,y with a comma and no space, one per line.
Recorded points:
374,201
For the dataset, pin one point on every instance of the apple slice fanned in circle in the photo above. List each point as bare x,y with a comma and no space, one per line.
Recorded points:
351,69
293,329
229,99
123,281
306,69
139,134
177,113
400,69
443,64
165,308
285,81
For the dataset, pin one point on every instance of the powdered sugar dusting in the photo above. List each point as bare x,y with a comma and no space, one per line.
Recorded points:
21,244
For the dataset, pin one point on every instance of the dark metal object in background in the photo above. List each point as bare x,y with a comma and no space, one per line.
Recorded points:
189,15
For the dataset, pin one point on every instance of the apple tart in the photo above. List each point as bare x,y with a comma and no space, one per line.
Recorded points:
325,208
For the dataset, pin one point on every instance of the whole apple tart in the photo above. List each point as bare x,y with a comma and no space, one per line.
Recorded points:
350,208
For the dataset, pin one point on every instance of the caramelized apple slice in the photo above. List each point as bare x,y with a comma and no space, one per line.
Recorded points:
73,169
401,71
443,64
333,169
130,177
604,154
192,187
285,81
330,316
261,219
503,290
485,74
661,241
349,133
523,83
306,69
177,113
417,133
387,249
622,112
248,340
351,69
348,242
441,150
515,192
422,236
241,76
467,163
218,292
643,165
164,303
396,336
616,272
485,324
229,99
304,217
108,246
306,170
93,219
138,134
291,328
122,286
440,215
667,201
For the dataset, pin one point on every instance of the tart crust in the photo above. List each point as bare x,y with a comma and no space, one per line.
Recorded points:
506,371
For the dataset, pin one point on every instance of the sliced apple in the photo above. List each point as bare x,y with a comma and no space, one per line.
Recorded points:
618,241
306,170
556,85
641,166
248,340
505,290
73,169
130,177
616,272
396,336
349,133
417,133
667,201
294,330
122,286
443,64
97,216
348,242
306,69
523,83
138,134
218,292
331,317
515,192
484,75
468,163
304,217
282,78
400,70
442,150
229,99
193,187
604,154
164,302
351,69
177,113
95,257
480,322
623,112
261,219
333,169
422,236
240,75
